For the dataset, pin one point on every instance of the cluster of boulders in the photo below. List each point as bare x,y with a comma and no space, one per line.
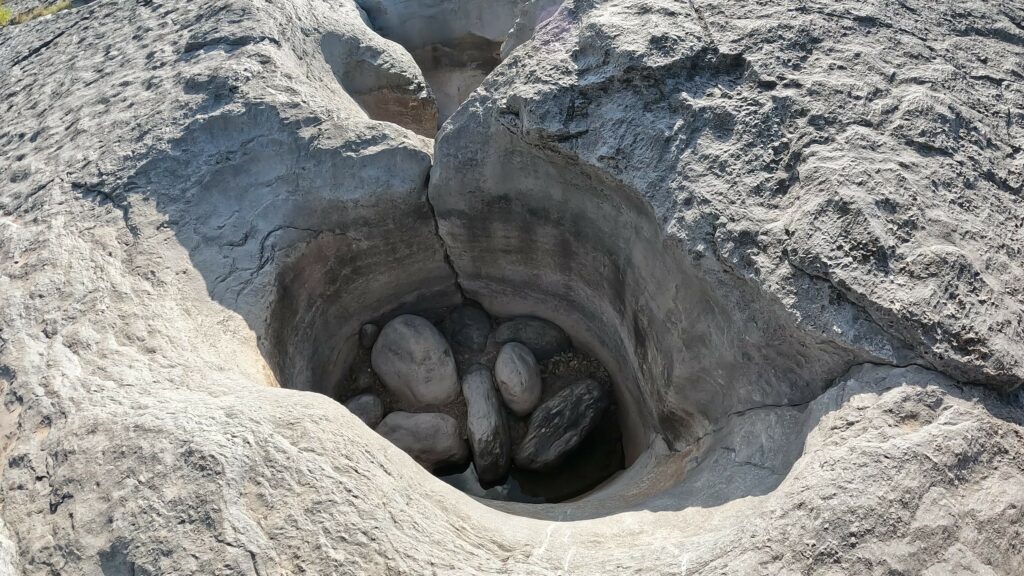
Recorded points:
466,389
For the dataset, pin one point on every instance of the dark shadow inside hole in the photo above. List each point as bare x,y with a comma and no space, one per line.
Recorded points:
598,456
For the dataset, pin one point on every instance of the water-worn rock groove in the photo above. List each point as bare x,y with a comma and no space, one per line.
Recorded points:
790,232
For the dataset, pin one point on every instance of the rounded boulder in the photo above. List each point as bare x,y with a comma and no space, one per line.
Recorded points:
560,424
467,329
518,378
414,362
543,338
367,407
432,439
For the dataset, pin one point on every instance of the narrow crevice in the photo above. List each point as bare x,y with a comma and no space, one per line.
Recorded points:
440,238
118,200
804,404
42,46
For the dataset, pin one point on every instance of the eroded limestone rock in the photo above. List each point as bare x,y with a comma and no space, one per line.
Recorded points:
387,84
531,14
455,42
725,219
750,209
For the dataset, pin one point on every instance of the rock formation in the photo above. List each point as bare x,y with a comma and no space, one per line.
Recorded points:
455,42
408,369
791,231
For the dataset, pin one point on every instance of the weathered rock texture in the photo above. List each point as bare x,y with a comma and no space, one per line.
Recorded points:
455,42
750,212
732,203
385,82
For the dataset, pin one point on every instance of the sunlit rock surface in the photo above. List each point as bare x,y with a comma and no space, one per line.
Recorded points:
790,231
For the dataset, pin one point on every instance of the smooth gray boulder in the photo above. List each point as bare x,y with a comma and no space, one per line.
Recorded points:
543,338
367,407
432,439
560,424
467,329
518,378
414,361
488,432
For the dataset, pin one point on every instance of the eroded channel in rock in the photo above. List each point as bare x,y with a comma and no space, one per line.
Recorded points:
455,44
